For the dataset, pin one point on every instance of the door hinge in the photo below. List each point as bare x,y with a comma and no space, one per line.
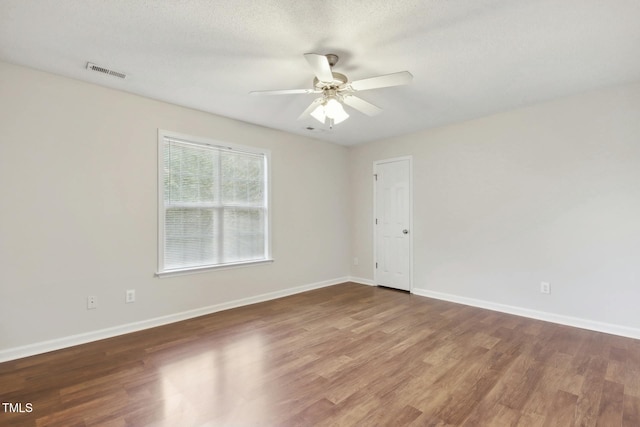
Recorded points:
376,265
375,176
376,221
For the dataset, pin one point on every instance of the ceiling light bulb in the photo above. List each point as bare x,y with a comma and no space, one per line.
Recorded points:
319,114
332,107
334,110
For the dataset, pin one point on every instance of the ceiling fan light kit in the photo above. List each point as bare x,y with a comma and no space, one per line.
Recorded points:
330,109
336,90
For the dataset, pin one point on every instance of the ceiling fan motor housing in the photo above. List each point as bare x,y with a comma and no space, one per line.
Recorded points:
338,80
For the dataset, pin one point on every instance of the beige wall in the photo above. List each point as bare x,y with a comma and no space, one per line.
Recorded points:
545,193
78,167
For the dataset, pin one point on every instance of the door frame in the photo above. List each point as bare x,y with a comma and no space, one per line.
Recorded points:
373,222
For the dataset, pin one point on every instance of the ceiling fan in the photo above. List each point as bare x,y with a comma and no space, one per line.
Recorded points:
336,89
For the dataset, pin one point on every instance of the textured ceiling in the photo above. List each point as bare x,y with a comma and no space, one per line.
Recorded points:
469,58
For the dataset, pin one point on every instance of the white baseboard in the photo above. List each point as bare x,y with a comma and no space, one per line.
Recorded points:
69,341
362,281
577,322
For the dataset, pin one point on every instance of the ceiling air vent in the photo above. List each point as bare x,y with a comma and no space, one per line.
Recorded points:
103,70
314,130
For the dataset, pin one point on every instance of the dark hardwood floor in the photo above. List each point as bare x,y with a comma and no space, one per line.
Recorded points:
344,355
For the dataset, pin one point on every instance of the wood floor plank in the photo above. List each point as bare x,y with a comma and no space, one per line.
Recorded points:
631,411
611,404
588,404
339,356
562,411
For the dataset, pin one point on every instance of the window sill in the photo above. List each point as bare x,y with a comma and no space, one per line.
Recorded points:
196,270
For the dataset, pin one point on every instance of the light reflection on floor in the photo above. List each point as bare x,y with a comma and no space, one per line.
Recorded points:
220,381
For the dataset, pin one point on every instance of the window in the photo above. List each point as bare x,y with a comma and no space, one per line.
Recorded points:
213,204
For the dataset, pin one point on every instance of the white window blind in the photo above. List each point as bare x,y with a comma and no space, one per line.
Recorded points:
213,204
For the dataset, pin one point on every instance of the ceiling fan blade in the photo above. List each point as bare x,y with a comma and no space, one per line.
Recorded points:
394,79
307,113
284,92
320,66
361,105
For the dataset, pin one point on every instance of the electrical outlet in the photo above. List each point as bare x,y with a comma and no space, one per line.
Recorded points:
545,287
130,296
92,302
355,261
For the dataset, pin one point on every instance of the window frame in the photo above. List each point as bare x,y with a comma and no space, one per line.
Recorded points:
207,142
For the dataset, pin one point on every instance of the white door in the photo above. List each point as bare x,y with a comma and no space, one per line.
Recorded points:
392,223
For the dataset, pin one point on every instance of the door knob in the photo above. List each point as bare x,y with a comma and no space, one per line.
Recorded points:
405,231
